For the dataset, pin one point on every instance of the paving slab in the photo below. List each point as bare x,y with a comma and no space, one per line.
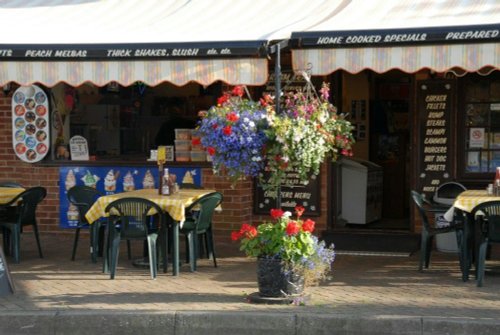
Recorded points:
365,295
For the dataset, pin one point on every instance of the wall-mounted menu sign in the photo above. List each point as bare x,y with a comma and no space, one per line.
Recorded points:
434,106
30,123
307,196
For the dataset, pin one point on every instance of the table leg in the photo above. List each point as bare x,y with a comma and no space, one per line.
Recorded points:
175,248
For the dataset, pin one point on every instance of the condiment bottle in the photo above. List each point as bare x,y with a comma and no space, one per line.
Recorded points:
496,182
166,187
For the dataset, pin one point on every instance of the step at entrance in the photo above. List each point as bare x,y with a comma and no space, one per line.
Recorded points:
375,241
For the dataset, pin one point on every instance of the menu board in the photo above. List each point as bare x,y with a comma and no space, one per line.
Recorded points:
292,193
30,123
434,107
113,179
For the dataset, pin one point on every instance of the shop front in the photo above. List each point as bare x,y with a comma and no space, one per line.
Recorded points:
113,88
421,91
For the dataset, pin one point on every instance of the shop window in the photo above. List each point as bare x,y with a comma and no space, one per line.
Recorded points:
127,122
481,111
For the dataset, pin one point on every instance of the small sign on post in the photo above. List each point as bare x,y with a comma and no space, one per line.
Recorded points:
79,148
6,283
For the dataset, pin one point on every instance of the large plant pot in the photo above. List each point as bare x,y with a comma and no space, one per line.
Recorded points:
276,281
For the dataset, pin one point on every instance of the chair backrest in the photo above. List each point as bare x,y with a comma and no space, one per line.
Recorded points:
10,184
447,192
206,206
29,201
135,216
488,216
83,197
191,186
419,201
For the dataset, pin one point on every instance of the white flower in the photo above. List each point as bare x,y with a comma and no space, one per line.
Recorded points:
251,124
246,120
287,214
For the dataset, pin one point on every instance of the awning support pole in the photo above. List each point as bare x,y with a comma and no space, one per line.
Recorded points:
277,95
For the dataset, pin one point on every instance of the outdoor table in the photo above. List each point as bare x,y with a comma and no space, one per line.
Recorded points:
465,202
175,205
9,193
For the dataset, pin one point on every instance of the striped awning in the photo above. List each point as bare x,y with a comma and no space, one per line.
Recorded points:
153,41
441,35
440,58
234,71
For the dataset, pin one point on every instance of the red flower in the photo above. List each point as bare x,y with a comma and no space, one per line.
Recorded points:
308,225
299,210
227,130
236,235
196,141
276,213
232,117
292,228
248,230
211,151
222,99
263,102
215,126
238,91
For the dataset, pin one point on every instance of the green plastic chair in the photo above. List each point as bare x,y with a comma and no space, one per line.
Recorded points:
428,231
83,197
487,218
200,223
27,203
131,219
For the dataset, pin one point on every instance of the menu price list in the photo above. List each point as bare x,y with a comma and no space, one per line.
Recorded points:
292,193
434,106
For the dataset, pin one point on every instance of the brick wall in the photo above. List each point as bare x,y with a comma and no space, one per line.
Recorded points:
238,200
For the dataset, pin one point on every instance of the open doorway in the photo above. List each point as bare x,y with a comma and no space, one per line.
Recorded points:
389,145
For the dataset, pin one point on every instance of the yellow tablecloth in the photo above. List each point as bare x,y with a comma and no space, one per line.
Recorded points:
469,199
9,193
174,204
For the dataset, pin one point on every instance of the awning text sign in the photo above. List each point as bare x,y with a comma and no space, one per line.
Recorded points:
409,36
132,51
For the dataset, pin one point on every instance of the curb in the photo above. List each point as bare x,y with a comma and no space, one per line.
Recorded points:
222,323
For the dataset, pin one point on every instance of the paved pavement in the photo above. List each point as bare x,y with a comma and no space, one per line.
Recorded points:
366,295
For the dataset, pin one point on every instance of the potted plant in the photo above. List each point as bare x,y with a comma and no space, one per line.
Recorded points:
289,256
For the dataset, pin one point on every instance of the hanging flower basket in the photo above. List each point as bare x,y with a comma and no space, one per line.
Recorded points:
246,138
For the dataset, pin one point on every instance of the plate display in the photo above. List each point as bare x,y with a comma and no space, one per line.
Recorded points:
30,123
